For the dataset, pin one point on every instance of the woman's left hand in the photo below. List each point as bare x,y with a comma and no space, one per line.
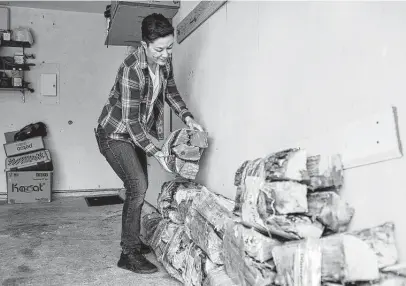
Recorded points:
192,124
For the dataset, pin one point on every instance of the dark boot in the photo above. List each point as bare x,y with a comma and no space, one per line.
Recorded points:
136,262
145,249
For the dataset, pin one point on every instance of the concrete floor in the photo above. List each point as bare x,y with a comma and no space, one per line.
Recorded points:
66,243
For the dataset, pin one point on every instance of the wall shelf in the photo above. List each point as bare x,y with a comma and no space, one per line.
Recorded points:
22,89
10,65
15,44
21,67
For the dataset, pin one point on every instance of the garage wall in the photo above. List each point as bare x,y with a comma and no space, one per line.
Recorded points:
262,76
73,44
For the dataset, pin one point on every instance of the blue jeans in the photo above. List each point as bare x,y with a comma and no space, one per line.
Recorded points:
129,162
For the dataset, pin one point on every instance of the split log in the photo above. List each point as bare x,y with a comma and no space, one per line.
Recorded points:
250,168
176,197
251,242
242,269
179,164
171,162
325,171
294,227
181,157
203,234
187,153
397,269
218,277
289,164
162,236
189,170
332,211
286,226
239,177
174,259
199,139
215,208
182,137
344,258
382,241
283,198
386,279
197,267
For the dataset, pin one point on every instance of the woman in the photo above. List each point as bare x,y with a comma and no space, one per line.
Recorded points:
135,110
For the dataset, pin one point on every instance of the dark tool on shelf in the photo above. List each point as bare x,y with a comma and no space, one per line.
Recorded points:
5,81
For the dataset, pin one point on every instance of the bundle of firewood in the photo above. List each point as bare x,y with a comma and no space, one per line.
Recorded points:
294,227
287,226
187,237
183,149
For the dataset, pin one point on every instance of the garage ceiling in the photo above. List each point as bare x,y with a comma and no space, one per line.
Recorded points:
76,6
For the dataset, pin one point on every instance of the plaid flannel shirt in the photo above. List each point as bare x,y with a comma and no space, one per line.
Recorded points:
124,116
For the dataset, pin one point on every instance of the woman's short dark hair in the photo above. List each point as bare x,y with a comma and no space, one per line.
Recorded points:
155,26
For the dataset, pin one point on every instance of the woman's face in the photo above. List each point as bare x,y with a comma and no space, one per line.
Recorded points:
159,50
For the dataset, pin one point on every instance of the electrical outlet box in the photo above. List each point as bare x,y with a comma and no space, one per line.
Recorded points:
48,84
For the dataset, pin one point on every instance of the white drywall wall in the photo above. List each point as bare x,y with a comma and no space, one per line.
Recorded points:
261,76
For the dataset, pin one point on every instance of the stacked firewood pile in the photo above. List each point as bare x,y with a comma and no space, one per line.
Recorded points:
186,232
293,228
183,150
287,226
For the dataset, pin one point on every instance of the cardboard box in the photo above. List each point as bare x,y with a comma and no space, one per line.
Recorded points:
35,161
22,147
29,186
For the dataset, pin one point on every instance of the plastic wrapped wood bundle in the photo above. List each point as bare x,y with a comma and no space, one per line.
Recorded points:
183,149
163,234
204,235
258,213
325,171
150,218
285,165
289,164
242,269
347,257
175,255
268,204
176,197
331,210
214,208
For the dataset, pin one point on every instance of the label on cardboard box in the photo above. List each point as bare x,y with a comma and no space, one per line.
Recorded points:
26,146
29,187
27,160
